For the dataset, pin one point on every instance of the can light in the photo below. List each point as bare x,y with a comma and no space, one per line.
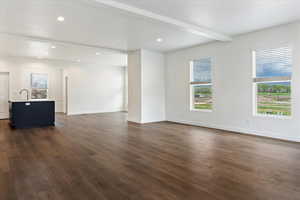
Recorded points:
60,19
159,40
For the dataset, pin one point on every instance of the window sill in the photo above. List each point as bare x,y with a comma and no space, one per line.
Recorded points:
274,116
201,110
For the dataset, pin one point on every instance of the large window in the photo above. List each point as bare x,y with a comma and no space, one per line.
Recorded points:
39,86
201,84
272,81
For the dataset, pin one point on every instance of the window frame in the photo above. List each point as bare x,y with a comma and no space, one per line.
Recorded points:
36,88
199,83
275,79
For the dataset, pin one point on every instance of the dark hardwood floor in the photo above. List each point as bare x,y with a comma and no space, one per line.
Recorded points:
101,156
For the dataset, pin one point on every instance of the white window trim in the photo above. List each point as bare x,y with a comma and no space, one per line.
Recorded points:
254,88
192,83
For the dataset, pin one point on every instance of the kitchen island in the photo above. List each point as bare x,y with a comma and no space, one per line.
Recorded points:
31,113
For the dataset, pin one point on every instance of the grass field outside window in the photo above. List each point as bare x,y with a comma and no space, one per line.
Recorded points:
274,99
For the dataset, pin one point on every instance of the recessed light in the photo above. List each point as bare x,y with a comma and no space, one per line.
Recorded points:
78,60
97,53
159,40
53,47
60,19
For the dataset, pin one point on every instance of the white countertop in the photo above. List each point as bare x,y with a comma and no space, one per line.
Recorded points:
30,100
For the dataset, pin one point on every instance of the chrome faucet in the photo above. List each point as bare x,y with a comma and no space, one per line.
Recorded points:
27,93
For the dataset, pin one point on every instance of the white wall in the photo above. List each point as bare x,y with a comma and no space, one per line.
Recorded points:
153,86
20,70
134,87
232,84
146,75
95,88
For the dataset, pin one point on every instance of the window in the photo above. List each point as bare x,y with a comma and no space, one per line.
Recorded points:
201,84
39,86
272,81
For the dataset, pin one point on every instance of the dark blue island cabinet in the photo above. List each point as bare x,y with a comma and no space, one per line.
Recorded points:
30,114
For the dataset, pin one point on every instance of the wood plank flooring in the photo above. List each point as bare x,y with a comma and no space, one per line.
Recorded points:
101,156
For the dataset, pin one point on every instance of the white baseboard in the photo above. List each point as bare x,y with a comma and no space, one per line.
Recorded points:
239,130
152,121
95,112
4,116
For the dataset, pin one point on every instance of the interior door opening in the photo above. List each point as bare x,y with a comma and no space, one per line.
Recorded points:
66,95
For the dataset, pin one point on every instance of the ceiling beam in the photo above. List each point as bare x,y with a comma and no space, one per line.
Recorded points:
198,30
62,42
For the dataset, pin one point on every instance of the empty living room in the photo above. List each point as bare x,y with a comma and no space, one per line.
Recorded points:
149,100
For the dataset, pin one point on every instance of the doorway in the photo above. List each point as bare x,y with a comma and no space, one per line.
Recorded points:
4,95
66,95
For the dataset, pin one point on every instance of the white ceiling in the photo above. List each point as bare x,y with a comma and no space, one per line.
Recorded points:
231,17
20,47
28,27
